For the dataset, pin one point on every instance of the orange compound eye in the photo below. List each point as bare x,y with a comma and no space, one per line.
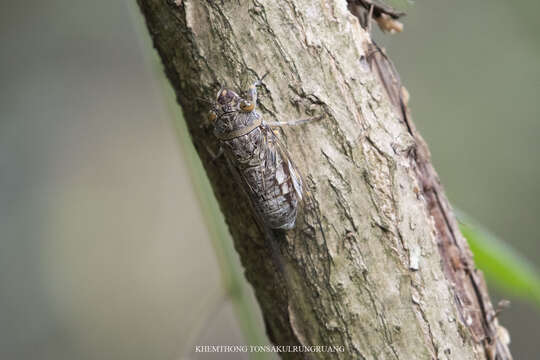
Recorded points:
212,116
247,106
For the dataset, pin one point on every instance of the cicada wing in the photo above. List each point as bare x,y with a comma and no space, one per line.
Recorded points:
290,168
271,242
296,179
240,179
308,205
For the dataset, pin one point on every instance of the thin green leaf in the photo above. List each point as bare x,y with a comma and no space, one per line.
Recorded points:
235,286
231,272
504,267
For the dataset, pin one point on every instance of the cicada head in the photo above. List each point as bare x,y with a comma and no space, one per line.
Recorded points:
227,101
227,107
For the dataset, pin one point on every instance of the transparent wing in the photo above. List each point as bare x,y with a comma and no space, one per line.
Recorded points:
308,206
244,184
289,166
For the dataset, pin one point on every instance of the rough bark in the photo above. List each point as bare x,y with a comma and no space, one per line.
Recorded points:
376,263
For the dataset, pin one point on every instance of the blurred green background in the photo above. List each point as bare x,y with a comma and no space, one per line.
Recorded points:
104,251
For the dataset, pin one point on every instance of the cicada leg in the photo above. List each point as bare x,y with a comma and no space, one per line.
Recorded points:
250,103
213,155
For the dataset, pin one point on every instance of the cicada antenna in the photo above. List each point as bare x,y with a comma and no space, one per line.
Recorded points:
221,87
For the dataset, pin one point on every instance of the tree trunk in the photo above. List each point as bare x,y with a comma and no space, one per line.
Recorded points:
376,263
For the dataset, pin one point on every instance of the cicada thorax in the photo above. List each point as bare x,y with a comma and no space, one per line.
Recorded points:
262,167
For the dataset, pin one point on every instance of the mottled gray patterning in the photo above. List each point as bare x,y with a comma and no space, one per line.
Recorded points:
261,166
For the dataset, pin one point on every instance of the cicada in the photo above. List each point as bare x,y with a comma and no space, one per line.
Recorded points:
260,164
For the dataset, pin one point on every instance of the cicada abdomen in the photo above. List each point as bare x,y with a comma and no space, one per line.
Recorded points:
259,163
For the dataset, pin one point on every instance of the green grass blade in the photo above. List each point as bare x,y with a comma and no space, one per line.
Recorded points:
236,287
233,280
504,267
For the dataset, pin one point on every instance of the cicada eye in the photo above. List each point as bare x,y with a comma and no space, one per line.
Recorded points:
212,116
247,106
